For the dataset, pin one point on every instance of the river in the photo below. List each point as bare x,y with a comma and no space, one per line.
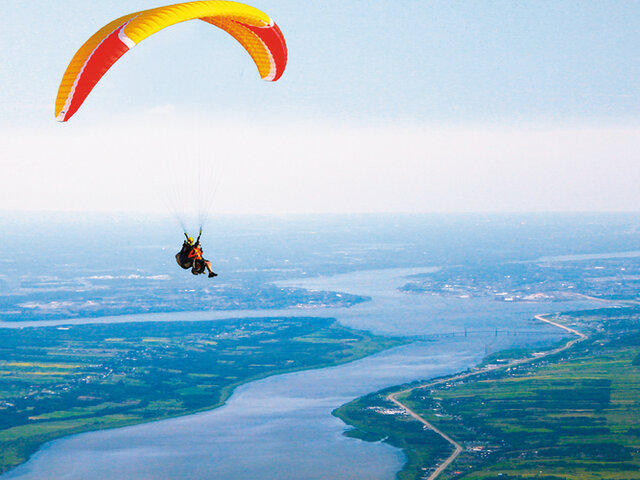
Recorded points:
281,427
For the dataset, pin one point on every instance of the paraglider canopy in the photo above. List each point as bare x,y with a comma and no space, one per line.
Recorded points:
254,29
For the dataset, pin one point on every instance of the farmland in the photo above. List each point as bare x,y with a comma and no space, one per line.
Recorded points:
59,381
575,415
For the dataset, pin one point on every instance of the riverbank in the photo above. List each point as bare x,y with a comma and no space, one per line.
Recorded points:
285,420
576,409
60,381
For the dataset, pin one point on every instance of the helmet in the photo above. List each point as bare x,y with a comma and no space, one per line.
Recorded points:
190,239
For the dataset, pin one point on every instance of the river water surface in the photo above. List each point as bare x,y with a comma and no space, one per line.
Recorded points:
281,427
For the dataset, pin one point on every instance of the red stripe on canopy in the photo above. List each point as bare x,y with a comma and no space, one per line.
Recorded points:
100,60
272,37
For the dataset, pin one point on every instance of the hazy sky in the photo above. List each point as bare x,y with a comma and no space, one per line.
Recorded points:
409,106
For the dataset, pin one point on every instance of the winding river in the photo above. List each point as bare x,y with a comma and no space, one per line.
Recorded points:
281,427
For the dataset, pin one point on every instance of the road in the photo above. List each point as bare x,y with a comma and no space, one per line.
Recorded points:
393,397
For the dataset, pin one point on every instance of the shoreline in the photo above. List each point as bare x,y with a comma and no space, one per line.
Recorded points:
226,392
393,397
225,316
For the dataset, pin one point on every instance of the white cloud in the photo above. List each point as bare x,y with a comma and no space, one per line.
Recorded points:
297,168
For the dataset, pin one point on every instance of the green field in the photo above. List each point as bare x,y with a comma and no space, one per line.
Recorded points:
575,416
64,380
379,420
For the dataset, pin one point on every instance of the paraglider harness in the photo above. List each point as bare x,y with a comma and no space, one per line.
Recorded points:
190,256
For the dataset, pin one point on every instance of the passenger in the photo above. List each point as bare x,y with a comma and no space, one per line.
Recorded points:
191,257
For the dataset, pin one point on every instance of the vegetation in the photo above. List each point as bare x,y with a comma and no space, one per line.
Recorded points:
100,296
64,380
575,416
378,419
616,278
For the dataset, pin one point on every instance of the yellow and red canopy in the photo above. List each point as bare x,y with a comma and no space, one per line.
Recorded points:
257,33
